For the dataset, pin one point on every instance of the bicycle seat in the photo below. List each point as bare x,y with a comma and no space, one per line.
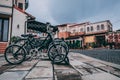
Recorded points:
28,35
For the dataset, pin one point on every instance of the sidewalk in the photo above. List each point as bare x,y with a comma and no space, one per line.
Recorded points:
29,70
94,69
1,55
81,68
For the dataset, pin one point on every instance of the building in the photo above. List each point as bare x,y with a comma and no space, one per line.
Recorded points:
13,20
113,39
87,34
96,32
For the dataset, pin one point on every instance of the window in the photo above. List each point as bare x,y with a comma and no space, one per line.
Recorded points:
4,29
109,28
20,5
26,4
102,26
98,27
0,29
88,29
15,2
91,28
81,30
74,31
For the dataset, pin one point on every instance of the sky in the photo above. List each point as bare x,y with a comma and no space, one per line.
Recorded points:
75,11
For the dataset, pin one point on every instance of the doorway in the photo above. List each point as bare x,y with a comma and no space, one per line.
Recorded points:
100,40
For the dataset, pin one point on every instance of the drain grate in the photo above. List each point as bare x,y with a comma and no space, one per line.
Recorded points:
69,74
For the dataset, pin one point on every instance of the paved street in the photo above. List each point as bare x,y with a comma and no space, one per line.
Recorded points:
81,68
102,54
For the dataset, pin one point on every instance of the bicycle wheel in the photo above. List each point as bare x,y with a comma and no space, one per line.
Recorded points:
61,42
15,54
64,44
27,47
59,50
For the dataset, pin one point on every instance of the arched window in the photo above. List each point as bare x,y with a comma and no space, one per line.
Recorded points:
102,26
98,27
91,28
88,29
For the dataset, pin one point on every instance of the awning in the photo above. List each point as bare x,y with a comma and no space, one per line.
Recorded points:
35,25
39,26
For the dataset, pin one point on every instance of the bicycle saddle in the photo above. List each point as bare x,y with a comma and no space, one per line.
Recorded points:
28,35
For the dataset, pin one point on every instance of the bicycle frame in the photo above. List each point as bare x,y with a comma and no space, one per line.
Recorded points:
40,46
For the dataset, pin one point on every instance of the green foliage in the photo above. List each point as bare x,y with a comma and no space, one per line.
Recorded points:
14,38
74,44
77,44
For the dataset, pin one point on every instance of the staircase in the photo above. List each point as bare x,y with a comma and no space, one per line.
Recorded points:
3,46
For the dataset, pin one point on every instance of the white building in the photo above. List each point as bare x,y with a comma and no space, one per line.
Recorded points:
87,33
13,20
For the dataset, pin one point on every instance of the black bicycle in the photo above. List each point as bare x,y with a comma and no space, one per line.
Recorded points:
16,54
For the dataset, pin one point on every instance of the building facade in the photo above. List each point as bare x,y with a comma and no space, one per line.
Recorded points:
113,39
87,34
13,20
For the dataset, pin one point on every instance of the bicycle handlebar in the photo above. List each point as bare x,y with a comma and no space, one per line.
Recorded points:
54,28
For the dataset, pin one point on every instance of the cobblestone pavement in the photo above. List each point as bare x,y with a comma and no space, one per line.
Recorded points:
81,68
102,54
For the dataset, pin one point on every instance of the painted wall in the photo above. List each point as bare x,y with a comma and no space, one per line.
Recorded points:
89,39
19,19
63,34
94,25
6,2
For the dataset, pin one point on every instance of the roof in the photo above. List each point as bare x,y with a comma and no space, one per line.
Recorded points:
79,24
102,21
22,11
30,15
62,25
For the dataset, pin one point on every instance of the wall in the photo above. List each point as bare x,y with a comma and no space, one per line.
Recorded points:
105,23
63,34
6,2
6,6
19,19
89,39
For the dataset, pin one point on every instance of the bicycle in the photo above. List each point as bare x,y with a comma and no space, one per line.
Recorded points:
20,50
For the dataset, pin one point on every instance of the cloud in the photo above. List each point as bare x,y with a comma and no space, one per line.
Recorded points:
75,11
110,12
41,10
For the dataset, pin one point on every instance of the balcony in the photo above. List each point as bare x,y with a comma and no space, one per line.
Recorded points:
77,34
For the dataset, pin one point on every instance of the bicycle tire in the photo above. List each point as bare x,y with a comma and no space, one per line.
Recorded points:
9,50
52,53
61,42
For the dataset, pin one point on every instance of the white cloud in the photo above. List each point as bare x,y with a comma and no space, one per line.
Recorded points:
75,11
41,10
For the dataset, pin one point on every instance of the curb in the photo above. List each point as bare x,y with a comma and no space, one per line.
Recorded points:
101,61
1,55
